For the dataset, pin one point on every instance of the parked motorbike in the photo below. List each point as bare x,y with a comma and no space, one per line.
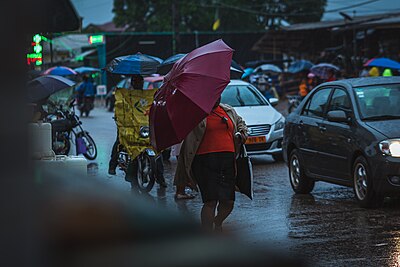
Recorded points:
65,126
293,102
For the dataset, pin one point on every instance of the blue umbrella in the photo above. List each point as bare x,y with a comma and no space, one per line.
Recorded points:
300,65
84,69
247,72
134,64
60,71
383,63
167,64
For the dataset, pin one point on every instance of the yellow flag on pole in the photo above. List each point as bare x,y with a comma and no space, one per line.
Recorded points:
216,24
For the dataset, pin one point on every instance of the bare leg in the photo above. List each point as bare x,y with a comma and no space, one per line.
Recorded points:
207,214
225,208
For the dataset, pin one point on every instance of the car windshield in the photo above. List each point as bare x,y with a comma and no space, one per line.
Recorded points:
146,85
379,102
121,83
242,95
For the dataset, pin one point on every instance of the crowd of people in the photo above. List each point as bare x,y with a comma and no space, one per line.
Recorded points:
277,85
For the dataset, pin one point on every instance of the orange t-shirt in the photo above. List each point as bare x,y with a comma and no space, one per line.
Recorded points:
218,136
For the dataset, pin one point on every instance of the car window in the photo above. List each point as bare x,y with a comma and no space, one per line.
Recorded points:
127,84
242,95
340,101
146,85
157,84
378,100
121,84
316,105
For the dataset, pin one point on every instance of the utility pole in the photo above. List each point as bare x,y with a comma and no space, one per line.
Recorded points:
176,40
51,49
216,16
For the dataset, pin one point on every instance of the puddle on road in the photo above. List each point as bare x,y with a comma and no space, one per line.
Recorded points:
93,169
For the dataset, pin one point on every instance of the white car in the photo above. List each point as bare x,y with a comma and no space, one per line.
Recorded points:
265,124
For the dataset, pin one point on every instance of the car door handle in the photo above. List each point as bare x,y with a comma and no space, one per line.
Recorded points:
322,128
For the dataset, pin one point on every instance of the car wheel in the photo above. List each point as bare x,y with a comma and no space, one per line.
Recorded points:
301,184
363,185
278,157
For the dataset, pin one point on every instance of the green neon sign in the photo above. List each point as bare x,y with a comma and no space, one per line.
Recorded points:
96,39
34,55
38,48
37,38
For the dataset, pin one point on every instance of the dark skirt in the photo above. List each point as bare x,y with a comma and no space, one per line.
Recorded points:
215,175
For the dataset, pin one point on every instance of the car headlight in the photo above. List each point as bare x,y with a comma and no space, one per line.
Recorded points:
390,147
280,124
144,131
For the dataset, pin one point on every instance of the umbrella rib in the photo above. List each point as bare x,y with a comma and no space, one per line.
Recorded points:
203,75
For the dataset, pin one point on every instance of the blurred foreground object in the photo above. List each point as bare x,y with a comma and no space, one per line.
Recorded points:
86,223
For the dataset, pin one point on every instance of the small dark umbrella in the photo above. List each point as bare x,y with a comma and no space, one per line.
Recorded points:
167,64
300,65
44,86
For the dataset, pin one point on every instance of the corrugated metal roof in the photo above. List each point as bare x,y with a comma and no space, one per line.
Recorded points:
361,21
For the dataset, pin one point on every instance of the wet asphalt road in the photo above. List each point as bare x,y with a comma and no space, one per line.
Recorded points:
326,227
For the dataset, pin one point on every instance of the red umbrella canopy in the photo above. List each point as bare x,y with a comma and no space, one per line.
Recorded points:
189,93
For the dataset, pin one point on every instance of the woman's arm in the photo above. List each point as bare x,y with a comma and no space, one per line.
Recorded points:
241,127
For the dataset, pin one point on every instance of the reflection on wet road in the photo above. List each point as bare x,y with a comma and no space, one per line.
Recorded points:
326,227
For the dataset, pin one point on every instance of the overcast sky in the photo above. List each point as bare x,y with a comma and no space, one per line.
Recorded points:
100,11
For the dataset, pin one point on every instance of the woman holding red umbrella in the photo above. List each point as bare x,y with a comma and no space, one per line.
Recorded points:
207,159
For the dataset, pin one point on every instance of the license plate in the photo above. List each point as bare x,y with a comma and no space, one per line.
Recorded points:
256,140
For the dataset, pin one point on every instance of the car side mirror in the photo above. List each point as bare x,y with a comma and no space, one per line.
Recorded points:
337,116
273,101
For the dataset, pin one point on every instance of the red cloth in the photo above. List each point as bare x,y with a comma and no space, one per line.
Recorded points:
219,135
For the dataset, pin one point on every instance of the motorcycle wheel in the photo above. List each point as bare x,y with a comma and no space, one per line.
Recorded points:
65,148
145,172
91,152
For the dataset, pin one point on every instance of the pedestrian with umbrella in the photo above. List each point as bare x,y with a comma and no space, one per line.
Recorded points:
85,95
187,108
325,71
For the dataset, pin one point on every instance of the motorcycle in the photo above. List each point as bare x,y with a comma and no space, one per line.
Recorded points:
86,106
66,123
143,166
293,102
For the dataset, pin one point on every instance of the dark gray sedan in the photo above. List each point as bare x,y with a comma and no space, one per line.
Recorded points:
348,133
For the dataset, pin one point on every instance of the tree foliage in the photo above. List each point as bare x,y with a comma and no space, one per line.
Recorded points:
235,15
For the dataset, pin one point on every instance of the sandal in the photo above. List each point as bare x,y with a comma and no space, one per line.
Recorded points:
184,196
